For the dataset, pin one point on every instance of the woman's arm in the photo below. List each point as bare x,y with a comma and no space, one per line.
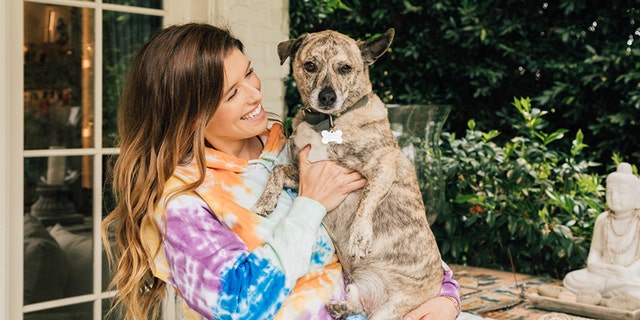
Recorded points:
450,287
445,306
212,266
217,275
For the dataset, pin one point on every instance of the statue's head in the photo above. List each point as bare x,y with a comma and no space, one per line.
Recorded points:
623,189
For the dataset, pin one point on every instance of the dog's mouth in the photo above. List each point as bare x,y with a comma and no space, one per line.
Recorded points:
322,119
314,117
253,113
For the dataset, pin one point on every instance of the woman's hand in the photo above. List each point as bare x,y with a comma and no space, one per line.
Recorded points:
326,181
438,308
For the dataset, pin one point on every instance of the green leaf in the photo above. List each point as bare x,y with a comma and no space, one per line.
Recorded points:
471,124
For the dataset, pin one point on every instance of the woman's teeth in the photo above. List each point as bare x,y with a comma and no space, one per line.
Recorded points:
253,113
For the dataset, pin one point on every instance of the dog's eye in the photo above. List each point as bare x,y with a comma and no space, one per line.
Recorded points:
344,69
310,67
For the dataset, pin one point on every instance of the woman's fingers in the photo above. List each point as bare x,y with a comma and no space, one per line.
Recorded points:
303,155
326,181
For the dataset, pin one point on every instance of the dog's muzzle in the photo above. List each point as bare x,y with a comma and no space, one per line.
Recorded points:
322,121
327,97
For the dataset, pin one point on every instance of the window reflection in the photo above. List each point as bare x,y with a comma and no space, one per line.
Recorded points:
59,118
58,96
124,33
58,231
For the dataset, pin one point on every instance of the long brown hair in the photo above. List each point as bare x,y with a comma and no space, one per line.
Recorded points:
173,88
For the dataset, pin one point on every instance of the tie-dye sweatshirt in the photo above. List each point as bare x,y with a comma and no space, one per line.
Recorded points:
228,263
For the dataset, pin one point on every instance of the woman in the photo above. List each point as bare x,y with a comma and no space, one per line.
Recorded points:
195,156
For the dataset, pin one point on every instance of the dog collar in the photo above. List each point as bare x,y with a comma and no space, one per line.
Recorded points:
322,121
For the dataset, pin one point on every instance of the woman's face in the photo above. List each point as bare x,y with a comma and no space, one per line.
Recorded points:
240,114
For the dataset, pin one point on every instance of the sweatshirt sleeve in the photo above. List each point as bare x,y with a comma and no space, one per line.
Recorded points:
216,274
450,287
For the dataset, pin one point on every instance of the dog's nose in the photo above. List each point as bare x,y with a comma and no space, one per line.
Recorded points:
327,97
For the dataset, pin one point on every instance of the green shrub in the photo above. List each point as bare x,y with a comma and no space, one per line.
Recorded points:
577,59
522,200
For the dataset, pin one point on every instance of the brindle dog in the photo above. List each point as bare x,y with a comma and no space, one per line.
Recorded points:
389,254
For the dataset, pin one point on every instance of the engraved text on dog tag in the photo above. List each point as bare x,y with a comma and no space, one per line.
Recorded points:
332,136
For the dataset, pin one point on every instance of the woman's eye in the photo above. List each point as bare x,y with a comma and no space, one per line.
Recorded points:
310,67
250,72
232,95
345,69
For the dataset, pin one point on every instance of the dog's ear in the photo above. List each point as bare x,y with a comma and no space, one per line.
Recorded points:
288,48
375,48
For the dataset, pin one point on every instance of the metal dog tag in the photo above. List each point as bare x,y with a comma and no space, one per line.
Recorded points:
332,136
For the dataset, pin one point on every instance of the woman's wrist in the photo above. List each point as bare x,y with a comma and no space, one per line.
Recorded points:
308,209
454,302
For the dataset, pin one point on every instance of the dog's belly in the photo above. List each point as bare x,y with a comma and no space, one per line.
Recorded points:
404,254
400,230
338,221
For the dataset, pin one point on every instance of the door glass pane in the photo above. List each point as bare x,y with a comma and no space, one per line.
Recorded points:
108,313
108,204
58,76
124,33
58,235
154,4
59,188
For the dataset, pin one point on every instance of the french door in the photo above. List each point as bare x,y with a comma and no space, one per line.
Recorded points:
76,55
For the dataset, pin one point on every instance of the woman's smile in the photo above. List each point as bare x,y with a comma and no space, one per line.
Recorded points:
254,113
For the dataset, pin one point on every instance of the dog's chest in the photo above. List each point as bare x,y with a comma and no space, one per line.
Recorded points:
305,134
352,148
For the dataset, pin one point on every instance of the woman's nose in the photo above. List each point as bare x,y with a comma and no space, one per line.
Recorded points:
255,92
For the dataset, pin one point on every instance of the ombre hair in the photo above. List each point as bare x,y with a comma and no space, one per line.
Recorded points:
173,88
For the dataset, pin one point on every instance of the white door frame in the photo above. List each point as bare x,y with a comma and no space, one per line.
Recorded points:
238,14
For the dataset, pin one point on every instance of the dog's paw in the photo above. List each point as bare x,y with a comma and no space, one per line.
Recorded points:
361,240
341,309
263,207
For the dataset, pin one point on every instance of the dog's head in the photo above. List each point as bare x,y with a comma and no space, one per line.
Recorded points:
331,69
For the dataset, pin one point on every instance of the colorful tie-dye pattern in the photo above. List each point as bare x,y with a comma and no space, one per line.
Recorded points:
228,263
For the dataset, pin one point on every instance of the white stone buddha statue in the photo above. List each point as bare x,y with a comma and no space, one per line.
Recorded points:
613,264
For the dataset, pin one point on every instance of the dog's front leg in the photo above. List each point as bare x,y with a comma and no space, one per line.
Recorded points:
281,176
381,174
